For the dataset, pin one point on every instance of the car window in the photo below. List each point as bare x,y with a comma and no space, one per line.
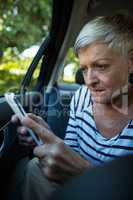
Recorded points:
20,39
69,69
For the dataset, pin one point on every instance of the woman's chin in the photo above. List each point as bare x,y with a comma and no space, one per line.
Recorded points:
101,99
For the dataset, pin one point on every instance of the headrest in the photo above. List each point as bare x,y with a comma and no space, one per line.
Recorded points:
79,79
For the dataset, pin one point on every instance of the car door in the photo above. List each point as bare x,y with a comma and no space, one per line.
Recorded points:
31,94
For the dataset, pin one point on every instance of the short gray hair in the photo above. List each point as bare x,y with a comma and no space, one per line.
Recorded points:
116,30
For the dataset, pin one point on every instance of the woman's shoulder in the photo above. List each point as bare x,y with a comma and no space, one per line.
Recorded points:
82,91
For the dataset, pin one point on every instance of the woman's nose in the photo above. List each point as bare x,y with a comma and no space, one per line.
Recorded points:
91,77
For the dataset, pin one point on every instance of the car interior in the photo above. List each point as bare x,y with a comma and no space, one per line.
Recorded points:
68,16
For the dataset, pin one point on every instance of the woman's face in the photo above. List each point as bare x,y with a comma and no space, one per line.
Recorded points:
105,71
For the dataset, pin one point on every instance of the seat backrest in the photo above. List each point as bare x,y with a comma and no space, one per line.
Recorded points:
79,79
58,105
58,112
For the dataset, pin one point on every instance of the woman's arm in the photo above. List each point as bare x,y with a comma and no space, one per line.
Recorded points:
58,161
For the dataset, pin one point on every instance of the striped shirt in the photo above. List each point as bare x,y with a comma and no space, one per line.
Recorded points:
83,136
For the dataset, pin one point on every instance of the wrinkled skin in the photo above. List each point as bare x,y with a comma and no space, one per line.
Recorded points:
58,162
105,71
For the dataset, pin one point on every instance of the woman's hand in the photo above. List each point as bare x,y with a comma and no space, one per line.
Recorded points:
24,137
58,162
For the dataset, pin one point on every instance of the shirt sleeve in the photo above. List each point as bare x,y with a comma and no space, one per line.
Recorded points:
71,137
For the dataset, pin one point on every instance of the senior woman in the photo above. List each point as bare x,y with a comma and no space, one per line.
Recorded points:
100,123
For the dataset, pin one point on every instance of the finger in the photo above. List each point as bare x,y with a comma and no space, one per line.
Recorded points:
53,175
40,151
45,134
38,119
25,144
23,140
22,130
27,139
45,150
14,119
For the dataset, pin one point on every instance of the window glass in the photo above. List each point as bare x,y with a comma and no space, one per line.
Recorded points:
70,68
21,38
35,76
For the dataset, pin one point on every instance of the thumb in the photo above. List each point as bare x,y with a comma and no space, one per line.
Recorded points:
38,119
46,135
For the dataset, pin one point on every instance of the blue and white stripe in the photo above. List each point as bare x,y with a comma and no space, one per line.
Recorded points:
83,136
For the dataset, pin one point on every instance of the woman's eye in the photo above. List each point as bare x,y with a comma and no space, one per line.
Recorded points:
101,66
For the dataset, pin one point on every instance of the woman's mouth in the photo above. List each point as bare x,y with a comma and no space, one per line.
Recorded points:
97,92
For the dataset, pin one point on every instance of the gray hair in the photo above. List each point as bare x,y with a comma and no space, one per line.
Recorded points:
115,30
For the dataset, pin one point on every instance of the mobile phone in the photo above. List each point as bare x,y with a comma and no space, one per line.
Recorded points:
17,108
